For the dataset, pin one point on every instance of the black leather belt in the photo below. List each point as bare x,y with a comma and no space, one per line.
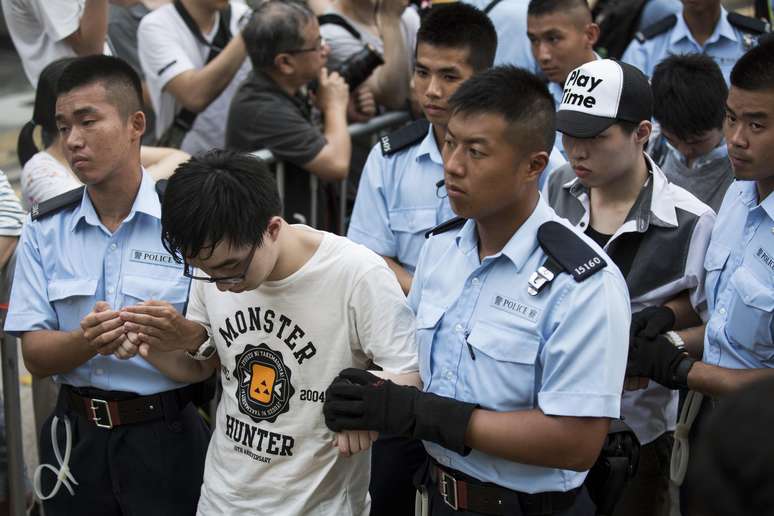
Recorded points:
109,413
464,493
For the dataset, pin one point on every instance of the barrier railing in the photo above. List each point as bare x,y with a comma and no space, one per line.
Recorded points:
371,128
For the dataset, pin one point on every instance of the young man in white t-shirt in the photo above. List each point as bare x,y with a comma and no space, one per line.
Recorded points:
280,309
46,30
174,43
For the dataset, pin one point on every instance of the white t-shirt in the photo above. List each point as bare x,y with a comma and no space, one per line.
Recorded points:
167,48
280,347
43,177
38,29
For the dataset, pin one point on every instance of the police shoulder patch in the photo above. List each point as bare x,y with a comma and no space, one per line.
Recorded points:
748,24
404,137
443,227
569,251
657,28
55,204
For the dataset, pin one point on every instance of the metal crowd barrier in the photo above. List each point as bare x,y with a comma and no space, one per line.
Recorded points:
371,128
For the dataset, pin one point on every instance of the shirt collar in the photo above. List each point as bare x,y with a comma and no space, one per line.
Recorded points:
654,205
722,29
146,201
748,193
429,147
522,243
719,152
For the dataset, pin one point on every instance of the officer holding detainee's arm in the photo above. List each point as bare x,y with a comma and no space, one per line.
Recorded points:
522,324
739,340
127,438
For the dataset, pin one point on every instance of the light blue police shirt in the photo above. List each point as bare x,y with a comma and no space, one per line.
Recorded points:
726,45
67,261
562,351
509,18
397,201
740,281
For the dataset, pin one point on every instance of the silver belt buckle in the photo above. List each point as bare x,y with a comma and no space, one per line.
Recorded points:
100,405
446,479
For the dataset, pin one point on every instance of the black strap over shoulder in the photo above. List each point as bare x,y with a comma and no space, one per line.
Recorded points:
404,137
491,5
55,204
161,187
443,227
337,19
657,28
748,24
566,252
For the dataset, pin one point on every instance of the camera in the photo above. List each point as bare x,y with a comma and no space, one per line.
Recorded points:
360,66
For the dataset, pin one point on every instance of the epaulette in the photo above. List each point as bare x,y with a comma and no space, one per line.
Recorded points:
443,227
748,24
404,137
654,29
161,187
567,252
53,205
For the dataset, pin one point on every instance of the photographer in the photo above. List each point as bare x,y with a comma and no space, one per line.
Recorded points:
269,110
387,26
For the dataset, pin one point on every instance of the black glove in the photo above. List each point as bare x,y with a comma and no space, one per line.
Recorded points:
651,322
659,360
359,400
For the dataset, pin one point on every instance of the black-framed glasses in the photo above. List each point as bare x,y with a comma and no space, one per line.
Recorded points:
316,48
231,280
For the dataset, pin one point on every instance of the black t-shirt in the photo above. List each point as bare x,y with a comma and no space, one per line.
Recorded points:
600,238
263,116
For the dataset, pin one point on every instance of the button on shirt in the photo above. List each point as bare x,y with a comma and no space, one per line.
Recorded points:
69,260
726,45
562,351
398,201
740,281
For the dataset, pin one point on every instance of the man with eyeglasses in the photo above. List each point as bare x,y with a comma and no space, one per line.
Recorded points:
279,309
271,111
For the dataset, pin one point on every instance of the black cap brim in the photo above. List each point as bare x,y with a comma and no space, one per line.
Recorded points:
581,125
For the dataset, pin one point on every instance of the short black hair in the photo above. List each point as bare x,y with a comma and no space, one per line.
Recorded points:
755,69
544,7
732,460
215,197
515,94
275,27
460,25
689,95
121,82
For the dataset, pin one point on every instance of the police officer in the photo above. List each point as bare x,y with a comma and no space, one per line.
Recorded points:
522,324
739,339
397,199
704,27
127,439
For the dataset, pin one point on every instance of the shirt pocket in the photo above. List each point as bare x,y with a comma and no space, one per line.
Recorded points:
749,323
409,227
72,299
428,318
716,259
502,376
137,289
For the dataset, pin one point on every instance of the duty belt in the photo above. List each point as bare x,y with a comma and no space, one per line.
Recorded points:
463,493
107,413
